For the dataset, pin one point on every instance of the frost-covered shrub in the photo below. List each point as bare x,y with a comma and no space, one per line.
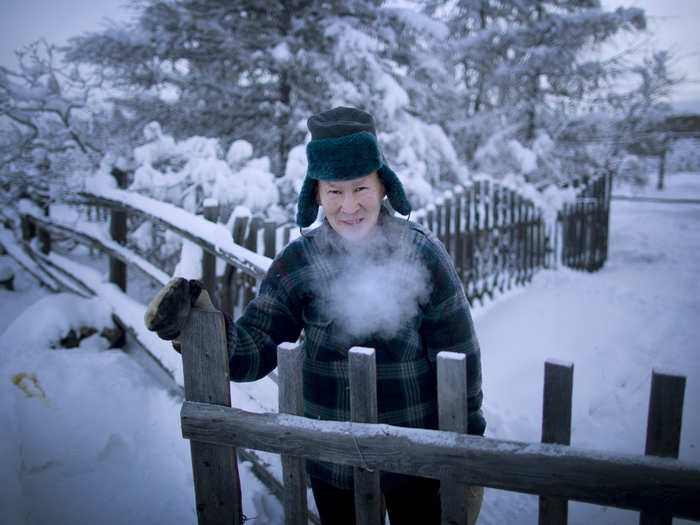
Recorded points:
188,172
632,170
684,156
503,155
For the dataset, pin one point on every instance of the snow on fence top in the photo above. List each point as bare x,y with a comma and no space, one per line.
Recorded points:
214,238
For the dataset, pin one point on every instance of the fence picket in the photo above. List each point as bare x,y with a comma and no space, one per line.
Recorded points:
211,213
452,416
290,396
214,467
270,239
251,243
663,429
363,409
459,235
448,227
556,428
117,230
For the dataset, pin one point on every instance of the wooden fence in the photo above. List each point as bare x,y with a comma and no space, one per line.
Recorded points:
497,238
659,487
586,225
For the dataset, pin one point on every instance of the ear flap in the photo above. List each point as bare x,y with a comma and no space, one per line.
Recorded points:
307,206
394,190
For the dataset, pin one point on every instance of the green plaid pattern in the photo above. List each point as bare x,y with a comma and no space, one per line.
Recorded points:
291,300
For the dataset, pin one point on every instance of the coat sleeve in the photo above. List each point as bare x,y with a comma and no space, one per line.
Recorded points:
273,317
448,326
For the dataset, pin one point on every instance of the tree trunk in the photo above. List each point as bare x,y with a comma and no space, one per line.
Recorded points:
662,170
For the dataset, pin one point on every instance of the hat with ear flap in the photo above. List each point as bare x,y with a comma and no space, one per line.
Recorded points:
343,147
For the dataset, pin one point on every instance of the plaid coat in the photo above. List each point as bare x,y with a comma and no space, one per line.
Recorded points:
432,316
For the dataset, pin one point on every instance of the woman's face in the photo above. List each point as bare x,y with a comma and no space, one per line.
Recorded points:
352,206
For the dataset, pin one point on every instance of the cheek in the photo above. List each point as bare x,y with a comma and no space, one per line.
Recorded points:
372,201
329,204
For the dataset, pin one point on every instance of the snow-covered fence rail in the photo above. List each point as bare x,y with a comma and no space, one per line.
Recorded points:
213,238
659,487
244,265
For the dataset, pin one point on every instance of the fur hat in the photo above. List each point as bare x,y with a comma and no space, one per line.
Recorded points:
344,146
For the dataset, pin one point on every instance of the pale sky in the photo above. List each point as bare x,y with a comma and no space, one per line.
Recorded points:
675,25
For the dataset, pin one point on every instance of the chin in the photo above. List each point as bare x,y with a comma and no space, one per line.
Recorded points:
353,233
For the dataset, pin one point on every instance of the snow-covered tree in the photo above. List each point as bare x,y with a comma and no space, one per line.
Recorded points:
525,62
47,132
256,70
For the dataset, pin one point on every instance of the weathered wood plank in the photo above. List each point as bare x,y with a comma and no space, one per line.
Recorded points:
211,213
591,476
117,230
214,466
452,415
363,409
556,428
663,429
252,264
291,401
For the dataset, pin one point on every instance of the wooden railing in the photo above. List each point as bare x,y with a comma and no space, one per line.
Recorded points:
497,238
659,487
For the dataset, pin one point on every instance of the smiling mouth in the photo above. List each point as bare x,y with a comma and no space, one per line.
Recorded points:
352,222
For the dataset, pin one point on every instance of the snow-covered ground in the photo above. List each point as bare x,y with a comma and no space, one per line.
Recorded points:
86,436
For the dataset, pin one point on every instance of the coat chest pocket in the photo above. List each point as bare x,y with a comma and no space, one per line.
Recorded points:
321,341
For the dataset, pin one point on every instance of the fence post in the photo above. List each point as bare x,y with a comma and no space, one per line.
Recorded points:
270,239
556,428
117,230
363,409
452,415
214,467
459,235
43,234
256,223
211,213
663,428
291,401
448,232
28,228
233,279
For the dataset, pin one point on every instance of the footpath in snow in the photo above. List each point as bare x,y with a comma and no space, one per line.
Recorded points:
86,436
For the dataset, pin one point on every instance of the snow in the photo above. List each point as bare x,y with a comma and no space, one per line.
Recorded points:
189,171
216,235
89,437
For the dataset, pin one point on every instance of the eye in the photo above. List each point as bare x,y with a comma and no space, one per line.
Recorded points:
361,188
333,192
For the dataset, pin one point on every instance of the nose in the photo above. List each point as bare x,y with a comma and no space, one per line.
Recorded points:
349,204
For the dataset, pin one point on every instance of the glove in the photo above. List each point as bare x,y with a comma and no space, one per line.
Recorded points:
168,312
